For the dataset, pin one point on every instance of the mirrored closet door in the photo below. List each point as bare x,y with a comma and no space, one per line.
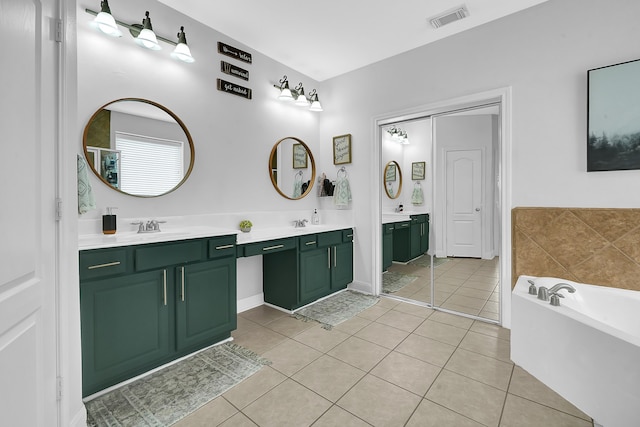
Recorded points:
448,202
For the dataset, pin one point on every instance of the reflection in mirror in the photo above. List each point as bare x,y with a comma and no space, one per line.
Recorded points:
138,147
291,168
392,179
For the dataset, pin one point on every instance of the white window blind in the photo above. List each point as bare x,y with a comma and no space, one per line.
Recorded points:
149,166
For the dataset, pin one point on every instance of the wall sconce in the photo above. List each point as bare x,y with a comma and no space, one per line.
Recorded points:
143,34
297,94
398,135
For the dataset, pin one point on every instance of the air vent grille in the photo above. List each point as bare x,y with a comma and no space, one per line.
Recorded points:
449,17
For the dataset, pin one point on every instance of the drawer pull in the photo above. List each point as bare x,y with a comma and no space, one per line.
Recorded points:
164,285
273,247
310,243
405,225
109,264
182,278
349,235
223,247
335,256
329,258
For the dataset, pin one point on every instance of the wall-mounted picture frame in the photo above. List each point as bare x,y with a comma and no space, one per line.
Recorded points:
390,173
417,170
110,166
299,156
613,135
342,149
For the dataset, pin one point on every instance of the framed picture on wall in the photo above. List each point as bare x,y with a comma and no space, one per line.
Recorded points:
417,170
299,156
613,138
342,149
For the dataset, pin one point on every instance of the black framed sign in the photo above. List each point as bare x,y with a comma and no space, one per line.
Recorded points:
234,70
613,136
234,52
234,89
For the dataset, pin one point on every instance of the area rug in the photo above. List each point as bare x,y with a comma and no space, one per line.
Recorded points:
172,393
337,308
425,261
393,281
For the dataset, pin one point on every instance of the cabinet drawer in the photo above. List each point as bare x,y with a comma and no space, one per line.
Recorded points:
330,238
305,243
167,254
388,228
270,246
222,246
419,219
102,263
401,225
347,235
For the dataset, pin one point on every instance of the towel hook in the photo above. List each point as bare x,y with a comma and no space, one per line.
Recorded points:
344,171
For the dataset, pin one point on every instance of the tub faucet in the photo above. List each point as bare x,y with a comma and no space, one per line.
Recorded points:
556,288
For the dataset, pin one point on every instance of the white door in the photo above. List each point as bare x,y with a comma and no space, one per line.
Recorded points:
27,216
463,185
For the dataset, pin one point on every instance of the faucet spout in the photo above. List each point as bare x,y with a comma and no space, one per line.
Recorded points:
560,286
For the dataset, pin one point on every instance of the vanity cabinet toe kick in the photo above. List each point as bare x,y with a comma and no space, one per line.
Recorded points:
302,269
145,305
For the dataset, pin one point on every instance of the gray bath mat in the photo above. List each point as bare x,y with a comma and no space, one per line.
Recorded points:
337,308
174,392
393,282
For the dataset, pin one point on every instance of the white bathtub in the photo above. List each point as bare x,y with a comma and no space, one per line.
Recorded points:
587,350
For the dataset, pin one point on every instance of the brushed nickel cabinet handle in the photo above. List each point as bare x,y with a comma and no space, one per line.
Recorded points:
164,285
273,247
223,247
310,243
109,264
329,258
335,258
182,279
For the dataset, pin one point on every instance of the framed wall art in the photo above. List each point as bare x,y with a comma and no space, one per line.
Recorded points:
299,156
613,138
342,149
417,170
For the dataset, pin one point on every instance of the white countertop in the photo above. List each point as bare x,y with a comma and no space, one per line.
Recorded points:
389,217
127,238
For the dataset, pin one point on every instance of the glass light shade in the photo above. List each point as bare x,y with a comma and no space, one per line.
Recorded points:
182,53
107,24
147,39
285,95
302,100
315,106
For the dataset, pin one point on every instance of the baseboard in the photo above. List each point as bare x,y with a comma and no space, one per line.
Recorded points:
80,419
365,288
251,302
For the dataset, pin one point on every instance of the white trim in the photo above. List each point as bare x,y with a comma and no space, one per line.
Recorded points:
500,96
250,302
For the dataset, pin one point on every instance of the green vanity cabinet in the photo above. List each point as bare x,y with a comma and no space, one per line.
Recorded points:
387,245
402,241
419,234
410,238
321,264
145,305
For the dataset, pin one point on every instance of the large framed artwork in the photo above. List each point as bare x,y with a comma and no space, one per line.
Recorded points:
613,139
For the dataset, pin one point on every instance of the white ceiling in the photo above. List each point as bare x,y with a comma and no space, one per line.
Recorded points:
323,39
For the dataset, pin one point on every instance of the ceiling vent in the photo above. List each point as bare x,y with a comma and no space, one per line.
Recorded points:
449,16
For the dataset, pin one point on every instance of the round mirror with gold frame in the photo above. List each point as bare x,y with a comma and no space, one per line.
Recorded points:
291,168
392,179
138,147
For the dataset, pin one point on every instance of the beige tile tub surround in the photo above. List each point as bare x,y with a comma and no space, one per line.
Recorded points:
598,246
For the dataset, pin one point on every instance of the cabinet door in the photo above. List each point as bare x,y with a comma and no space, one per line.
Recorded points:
424,241
402,241
387,251
315,274
342,266
416,239
205,302
125,327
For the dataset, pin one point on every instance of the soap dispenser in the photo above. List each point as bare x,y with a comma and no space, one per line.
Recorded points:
315,218
109,222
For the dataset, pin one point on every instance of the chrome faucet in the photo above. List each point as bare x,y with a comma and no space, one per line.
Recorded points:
300,223
554,289
151,226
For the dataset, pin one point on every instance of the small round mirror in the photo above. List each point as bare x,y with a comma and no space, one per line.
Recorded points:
291,168
392,179
138,147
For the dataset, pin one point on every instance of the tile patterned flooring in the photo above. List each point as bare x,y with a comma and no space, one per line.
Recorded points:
395,364
465,285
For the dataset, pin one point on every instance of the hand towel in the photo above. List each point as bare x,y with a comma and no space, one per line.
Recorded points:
417,197
342,193
297,188
86,201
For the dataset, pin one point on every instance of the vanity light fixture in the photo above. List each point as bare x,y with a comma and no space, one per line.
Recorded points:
182,51
147,38
105,22
297,94
143,34
398,135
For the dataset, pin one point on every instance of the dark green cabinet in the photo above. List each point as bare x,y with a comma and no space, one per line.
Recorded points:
145,305
410,239
402,241
419,235
387,246
319,265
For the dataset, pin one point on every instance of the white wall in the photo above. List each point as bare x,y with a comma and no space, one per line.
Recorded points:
543,54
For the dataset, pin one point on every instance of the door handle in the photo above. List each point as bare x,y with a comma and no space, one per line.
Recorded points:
477,209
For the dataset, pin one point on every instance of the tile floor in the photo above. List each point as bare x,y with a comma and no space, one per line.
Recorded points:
465,285
395,364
